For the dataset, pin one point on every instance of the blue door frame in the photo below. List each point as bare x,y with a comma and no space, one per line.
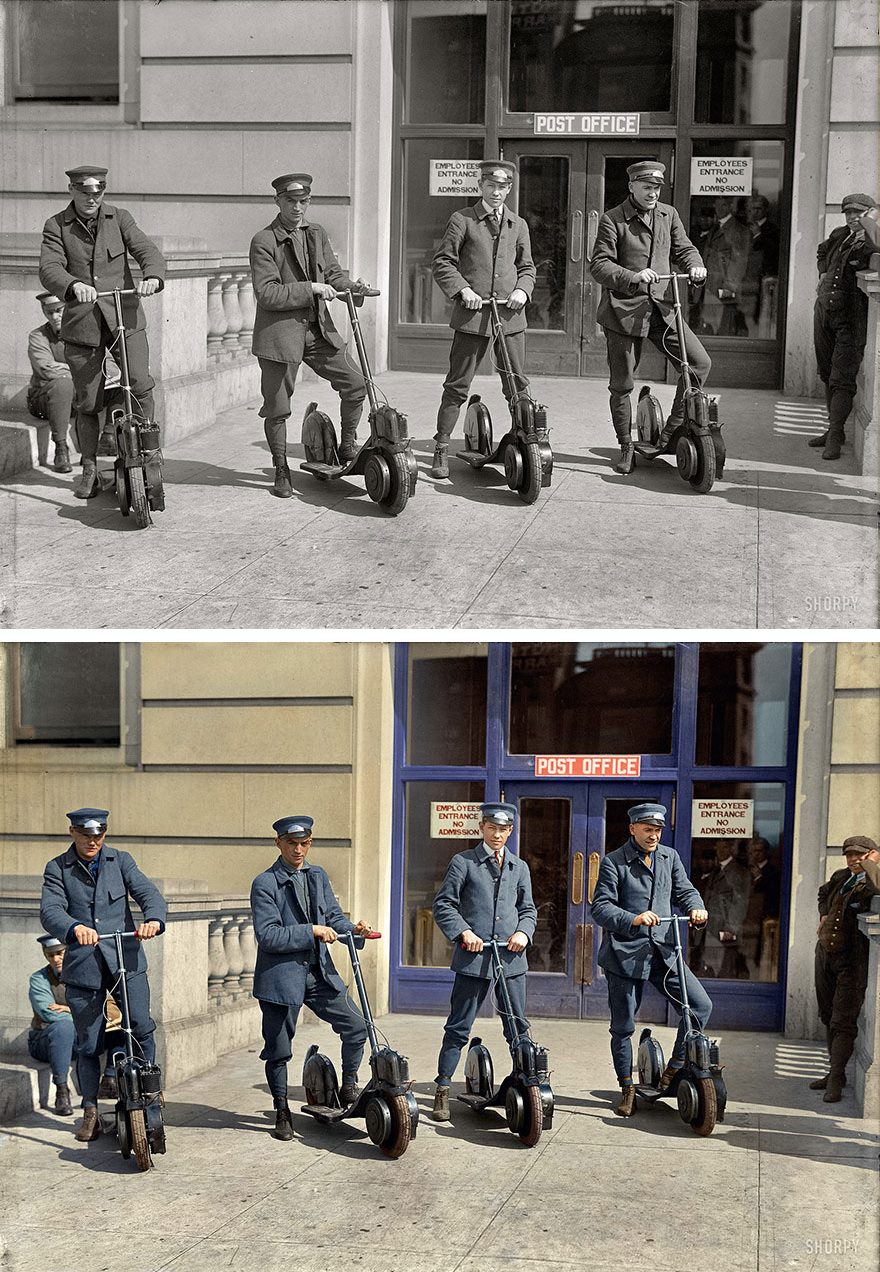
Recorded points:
737,1004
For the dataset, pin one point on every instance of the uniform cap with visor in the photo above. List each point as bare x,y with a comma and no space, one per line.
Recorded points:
299,827
93,820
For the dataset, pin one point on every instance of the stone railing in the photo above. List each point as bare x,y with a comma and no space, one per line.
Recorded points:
865,418
232,956
867,1053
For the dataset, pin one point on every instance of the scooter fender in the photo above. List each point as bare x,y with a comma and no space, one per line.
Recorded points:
319,1079
649,417
127,440
478,427
478,1076
650,1059
319,437
546,1093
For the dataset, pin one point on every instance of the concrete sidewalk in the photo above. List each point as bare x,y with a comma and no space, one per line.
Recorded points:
784,541
786,1182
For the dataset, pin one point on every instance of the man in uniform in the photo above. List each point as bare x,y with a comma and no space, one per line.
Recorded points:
485,251
52,1035
50,392
840,318
636,241
637,884
295,273
842,958
85,250
85,892
487,893
296,917
726,253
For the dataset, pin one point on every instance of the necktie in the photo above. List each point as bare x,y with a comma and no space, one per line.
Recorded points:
499,857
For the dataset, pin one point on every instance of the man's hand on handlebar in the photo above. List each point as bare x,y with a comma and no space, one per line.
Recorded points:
647,919
359,288
647,276
698,274
324,933
699,917
324,291
147,287
85,935
469,298
84,293
362,929
471,942
516,300
517,942
147,931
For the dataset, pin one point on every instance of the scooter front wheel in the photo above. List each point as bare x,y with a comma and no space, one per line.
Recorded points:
400,1133
704,477
707,1107
533,1118
139,505
140,1145
395,500
530,488
122,1131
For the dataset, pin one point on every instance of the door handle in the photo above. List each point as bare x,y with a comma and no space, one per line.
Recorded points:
577,236
577,879
672,811
583,954
592,876
592,231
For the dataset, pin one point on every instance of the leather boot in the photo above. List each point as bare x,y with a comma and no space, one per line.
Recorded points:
63,1107
663,440
283,1124
108,1090
819,1084
87,485
440,1111
667,1075
89,1127
627,461
348,447
834,1088
627,1105
349,1092
282,486
833,443
819,441
440,464
62,458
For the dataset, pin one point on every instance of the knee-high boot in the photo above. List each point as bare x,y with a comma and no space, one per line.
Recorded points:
275,428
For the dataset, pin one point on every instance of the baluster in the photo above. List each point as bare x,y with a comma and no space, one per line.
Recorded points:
216,315
248,306
216,960
234,961
232,312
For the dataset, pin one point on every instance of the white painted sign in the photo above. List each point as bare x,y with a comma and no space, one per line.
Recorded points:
722,818
598,124
454,177
588,765
721,176
455,821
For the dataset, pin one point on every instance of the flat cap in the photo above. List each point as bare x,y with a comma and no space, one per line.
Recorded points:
654,814
647,170
299,827
499,814
861,201
293,183
89,818
859,844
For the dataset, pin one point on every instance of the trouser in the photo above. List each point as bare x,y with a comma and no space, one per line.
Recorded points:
87,368
464,358
839,344
87,1007
841,981
53,401
279,1027
625,997
278,379
55,1045
624,353
468,994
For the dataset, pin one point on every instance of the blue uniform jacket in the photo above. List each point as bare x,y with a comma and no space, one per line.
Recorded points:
473,896
625,889
71,896
285,941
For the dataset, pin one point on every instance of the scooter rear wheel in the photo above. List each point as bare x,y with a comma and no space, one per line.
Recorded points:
139,505
704,478
534,1117
140,1145
396,499
400,1133
531,473
704,1122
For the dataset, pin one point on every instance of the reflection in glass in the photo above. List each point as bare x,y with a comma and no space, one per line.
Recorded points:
591,55
742,703
425,863
544,844
574,697
425,218
543,203
742,61
738,239
740,881
72,56
68,693
446,61
447,704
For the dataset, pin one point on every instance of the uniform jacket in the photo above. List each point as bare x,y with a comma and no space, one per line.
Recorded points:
625,889
840,932
70,255
44,988
625,245
727,256
286,945
283,291
71,896
46,354
473,895
727,898
470,255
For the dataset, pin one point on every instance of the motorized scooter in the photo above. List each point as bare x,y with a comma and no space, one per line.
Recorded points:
698,1086
138,467
386,1102
524,451
385,460
140,1127
525,1094
696,443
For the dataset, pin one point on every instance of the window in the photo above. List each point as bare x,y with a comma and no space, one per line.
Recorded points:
591,699
446,60
68,694
742,61
447,705
66,50
742,704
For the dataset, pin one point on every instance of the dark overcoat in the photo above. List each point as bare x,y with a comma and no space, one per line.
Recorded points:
625,245
626,888
470,256
474,896
70,255
286,944
70,895
283,291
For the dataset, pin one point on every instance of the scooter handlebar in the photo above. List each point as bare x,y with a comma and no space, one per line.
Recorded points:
123,291
360,936
108,936
354,292
680,918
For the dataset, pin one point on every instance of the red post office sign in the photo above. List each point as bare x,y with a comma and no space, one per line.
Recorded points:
588,765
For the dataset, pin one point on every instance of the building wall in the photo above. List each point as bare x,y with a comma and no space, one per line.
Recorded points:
219,740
